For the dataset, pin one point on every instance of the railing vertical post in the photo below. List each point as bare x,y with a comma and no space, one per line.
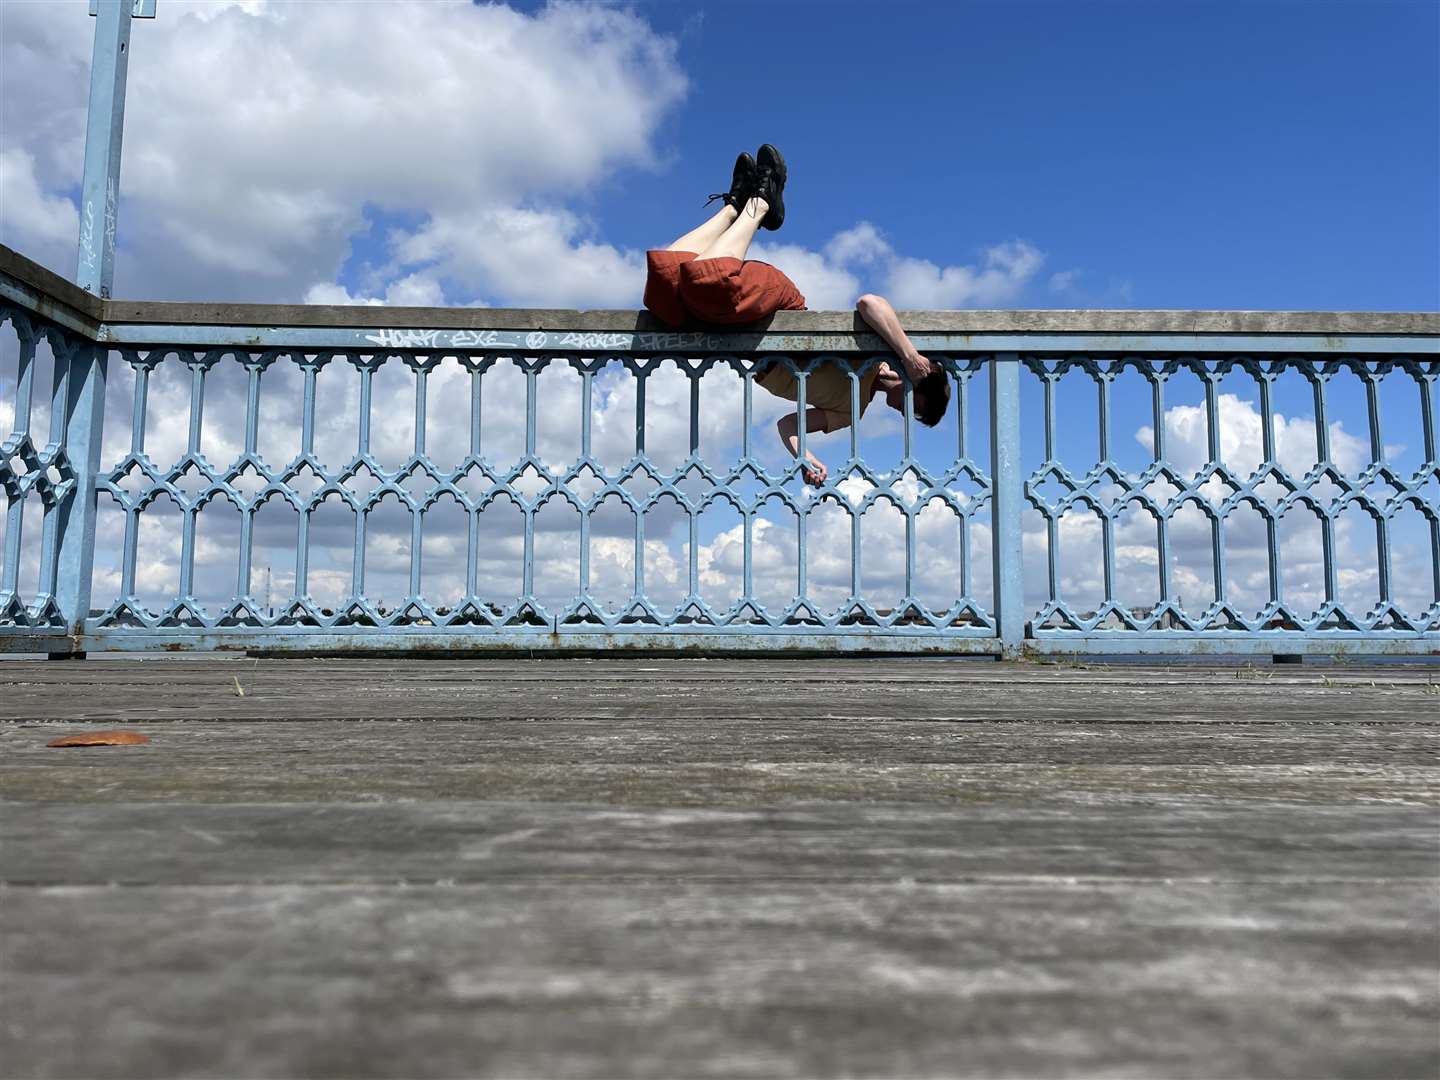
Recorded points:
84,420
1007,502
100,187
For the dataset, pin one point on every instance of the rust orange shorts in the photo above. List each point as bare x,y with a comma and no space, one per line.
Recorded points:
679,290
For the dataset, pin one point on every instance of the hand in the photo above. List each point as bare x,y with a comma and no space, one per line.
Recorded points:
926,365
814,470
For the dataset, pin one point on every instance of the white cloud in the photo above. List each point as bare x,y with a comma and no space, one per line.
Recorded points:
861,244
861,258
413,290
257,135
527,257
826,284
1077,289
1000,279
1241,439
1063,281
43,225
326,293
471,125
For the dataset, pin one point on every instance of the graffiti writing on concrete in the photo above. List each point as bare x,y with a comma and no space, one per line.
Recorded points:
87,234
405,339
539,340
454,339
110,214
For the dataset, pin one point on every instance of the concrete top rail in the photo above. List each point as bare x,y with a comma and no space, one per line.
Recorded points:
62,297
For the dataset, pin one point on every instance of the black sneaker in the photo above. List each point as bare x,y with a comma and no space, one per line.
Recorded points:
742,184
770,175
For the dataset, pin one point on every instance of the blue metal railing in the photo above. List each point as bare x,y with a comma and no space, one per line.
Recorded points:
1371,491
1096,523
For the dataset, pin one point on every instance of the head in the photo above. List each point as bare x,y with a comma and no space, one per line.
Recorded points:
932,394
932,398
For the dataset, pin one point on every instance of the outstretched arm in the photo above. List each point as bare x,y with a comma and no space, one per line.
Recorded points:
813,469
876,311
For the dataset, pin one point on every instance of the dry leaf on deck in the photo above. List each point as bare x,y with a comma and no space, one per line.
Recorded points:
102,738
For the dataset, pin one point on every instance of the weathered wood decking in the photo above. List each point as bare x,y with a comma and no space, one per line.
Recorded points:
719,868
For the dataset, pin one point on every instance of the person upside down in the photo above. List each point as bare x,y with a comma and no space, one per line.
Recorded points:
705,277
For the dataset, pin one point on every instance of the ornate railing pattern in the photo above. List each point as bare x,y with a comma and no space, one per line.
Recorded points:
36,468
1215,491
362,482
1011,483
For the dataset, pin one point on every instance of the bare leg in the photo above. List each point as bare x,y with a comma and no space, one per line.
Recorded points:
700,238
735,241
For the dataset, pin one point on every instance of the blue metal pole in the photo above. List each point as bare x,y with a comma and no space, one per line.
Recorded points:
101,186
1008,500
85,413
95,272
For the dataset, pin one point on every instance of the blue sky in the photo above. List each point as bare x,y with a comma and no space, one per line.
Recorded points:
1279,154
1271,154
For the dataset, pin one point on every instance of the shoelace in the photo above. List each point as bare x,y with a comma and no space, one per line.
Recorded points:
724,194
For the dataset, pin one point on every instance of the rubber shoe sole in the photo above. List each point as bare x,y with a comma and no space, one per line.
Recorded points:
771,174
742,181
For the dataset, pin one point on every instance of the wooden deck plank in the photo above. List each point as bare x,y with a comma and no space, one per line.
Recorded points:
377,776
1118,837
744,980
262,747
129,691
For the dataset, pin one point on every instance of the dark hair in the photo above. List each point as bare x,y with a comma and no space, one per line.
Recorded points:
935,389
